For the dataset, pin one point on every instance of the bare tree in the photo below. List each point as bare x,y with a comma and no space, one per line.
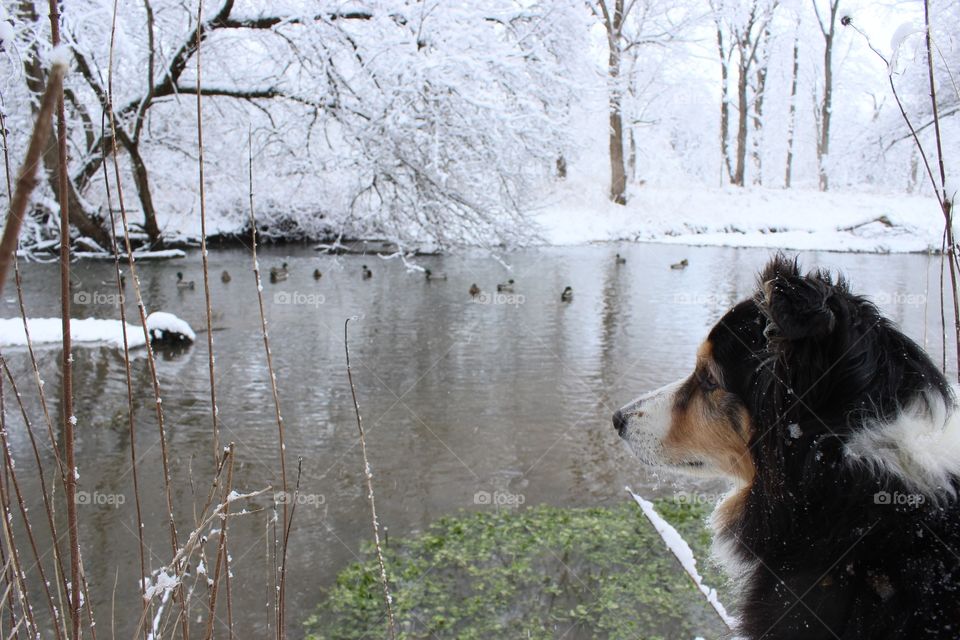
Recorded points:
629,25
742,32
612,19
827,20
792,120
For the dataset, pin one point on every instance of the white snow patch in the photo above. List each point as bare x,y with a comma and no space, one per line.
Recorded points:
795,430
793,219
163,321
87,330
679,547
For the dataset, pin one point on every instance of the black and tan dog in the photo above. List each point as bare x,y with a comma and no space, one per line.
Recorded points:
842,439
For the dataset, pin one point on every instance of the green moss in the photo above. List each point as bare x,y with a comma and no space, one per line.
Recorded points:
536,573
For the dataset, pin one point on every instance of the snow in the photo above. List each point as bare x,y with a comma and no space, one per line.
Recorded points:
795,430
165,254
905,30
164,584
6,31
775,218
679,547
60,56
87,330
167,322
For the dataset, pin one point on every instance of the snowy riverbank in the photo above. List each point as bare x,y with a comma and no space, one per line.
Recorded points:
776,218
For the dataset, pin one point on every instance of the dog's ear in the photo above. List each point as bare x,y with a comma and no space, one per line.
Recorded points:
796,306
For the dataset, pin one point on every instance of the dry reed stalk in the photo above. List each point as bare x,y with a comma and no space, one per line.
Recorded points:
222,546
47,497
151,359
28,527
128,376
195,539
368,475
281,629
203,247
26,178
23,596
69,419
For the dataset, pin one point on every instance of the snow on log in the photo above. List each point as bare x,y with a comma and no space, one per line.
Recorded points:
164,328
86,330
679,547
167,328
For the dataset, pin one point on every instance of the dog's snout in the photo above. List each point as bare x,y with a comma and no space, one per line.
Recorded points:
619,421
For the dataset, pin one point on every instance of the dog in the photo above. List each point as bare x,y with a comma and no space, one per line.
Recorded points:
842,441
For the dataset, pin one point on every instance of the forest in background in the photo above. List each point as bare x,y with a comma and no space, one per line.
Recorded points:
447,122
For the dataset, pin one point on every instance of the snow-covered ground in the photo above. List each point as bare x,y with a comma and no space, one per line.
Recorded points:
777,218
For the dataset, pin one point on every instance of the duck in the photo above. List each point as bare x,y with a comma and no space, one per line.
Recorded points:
621,259
680,265
316,274
183,284
279,274
109,283
567,295
505,287
366,274
225,277
434,276
474,290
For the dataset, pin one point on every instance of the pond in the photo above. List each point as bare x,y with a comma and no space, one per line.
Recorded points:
468,404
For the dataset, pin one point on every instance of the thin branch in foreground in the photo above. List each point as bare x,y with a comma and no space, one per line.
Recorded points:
684,555
368,474
281,628
69,419
27,178
203,253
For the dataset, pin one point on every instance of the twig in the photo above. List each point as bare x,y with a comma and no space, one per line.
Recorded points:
203,249
69,419
131,430
151,359
26,179
273,386
222,546
684,555
368,474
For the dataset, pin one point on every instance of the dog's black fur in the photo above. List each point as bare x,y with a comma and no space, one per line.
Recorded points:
824,555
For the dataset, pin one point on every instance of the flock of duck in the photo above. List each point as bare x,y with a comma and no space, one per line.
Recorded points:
281,273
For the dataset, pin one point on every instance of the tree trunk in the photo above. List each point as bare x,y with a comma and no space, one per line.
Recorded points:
757,150
142,181
823,145
632,159
618,174
561,167
724,104
739,172
791,123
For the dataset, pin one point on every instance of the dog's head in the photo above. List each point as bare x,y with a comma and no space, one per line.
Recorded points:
797,367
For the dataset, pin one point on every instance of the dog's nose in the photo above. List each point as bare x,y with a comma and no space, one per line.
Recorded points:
619,422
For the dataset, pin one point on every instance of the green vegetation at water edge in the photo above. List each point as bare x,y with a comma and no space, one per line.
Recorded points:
543,572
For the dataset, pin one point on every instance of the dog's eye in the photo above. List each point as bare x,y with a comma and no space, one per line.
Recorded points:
707,381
